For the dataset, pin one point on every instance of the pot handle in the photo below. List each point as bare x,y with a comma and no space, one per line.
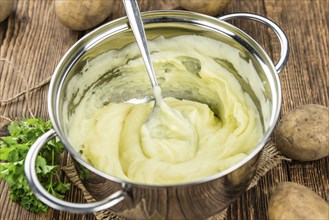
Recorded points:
277,30
52,201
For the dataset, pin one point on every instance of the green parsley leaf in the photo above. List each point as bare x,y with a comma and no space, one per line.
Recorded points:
13,150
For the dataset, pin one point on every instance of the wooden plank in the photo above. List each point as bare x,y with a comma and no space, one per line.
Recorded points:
32,50
305,79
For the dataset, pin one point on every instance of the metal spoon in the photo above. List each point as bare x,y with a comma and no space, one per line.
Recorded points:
137,27
136,24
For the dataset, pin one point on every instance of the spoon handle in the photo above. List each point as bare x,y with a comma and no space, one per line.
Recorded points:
137,27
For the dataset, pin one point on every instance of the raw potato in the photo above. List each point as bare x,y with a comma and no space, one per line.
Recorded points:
6,7
209,7
294,201
82,14
303,134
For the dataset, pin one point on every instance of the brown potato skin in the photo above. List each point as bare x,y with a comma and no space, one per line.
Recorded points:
82,15
303,133
208,7
6,7
294,201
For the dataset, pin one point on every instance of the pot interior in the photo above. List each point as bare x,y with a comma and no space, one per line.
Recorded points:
73,80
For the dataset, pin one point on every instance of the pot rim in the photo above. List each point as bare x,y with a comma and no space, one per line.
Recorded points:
121,24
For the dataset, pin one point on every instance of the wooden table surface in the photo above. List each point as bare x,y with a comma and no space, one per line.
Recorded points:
33,41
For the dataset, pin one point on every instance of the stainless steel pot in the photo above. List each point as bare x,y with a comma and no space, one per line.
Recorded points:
196,200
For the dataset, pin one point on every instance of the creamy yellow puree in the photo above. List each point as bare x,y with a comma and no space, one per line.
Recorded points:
122,140
167,135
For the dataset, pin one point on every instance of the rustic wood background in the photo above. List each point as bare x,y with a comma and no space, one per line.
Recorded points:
33,41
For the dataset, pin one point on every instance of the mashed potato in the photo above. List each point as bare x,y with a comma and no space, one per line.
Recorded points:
116,137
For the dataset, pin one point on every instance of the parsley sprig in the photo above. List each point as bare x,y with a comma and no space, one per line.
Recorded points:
13,150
